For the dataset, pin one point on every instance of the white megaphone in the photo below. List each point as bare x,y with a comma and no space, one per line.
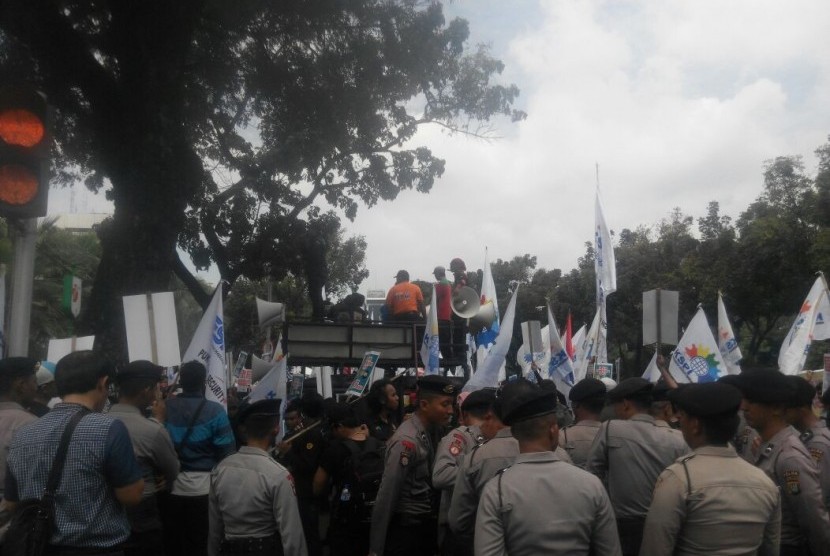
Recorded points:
259,368
269,313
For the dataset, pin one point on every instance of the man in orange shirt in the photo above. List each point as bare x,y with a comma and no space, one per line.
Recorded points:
405,301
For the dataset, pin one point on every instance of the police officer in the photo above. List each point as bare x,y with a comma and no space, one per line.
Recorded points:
253,506
813,431
587,400
138,389
404,520
629,453
542,505
746,440
452,449
712,501
785,459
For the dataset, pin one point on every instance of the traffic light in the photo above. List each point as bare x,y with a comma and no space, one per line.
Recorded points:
24,153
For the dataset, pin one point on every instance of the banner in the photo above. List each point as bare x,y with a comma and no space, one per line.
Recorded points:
364,375
430,352
697,357
727,343
796,345
487,374
208,347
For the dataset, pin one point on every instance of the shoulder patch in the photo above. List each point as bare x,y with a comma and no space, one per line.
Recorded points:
817,454
793,481
408,445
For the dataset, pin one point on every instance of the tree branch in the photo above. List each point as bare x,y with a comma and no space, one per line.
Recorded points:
189,280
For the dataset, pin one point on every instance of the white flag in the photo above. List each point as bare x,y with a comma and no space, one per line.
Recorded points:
274,385
540,357
487,374
560,364
727,343
587,351
821,329
208,347
697,357
605,266
576,341
486,337
797,343
652,373
429,347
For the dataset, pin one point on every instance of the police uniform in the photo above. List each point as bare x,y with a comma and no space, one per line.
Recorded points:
404,520
451,451
576,439
816,438
629,455
541,505
712,501
253,505
785,459
156,456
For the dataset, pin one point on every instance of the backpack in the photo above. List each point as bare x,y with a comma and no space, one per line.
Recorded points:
355,499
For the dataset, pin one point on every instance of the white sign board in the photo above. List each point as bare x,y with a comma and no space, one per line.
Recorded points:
152,333
660,309
58,348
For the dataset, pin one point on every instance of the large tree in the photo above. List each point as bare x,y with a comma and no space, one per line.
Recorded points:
235,129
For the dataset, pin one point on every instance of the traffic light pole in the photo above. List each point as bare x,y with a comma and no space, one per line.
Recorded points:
24,237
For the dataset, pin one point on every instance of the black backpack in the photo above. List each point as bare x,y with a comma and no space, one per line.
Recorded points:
355,499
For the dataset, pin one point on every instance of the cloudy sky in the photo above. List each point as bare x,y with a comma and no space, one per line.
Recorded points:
679,103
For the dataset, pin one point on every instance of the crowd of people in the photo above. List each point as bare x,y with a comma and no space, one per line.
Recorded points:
739,466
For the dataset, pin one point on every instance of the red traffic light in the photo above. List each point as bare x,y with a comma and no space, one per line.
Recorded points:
21,127
24,152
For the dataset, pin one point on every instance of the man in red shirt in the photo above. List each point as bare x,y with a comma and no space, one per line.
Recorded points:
405,301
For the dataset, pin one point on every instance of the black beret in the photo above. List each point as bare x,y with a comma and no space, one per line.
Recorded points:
706,399
15,367
141,369
437,385
660,392
803,392
765,386
587,388
480,399
636,387
528,405
732,380
266,408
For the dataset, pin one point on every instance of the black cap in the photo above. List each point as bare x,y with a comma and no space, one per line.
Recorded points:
765,386
803,392
732,380
629,388
141,369
402,275
437,385
660,392
586,389
706,399
528,405
16,367
480,399
265,408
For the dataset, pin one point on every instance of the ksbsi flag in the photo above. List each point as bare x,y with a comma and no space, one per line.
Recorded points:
586,353
208,347
560,365
697,358
796,345
605,266
487,374
486,337
429,347
727,343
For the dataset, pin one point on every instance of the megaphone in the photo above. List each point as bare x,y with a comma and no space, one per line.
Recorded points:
485,317
269,313
259,368
465,302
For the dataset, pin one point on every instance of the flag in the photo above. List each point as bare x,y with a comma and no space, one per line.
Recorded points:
821,329
487,336
568,341
560,362
727,343
797,343
429,348
487,374
587,353
652,373
208,347
605,267
274,385
540,357
576,342
697,357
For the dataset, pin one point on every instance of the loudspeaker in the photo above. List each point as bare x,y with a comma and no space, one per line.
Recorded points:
269,313
465,302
